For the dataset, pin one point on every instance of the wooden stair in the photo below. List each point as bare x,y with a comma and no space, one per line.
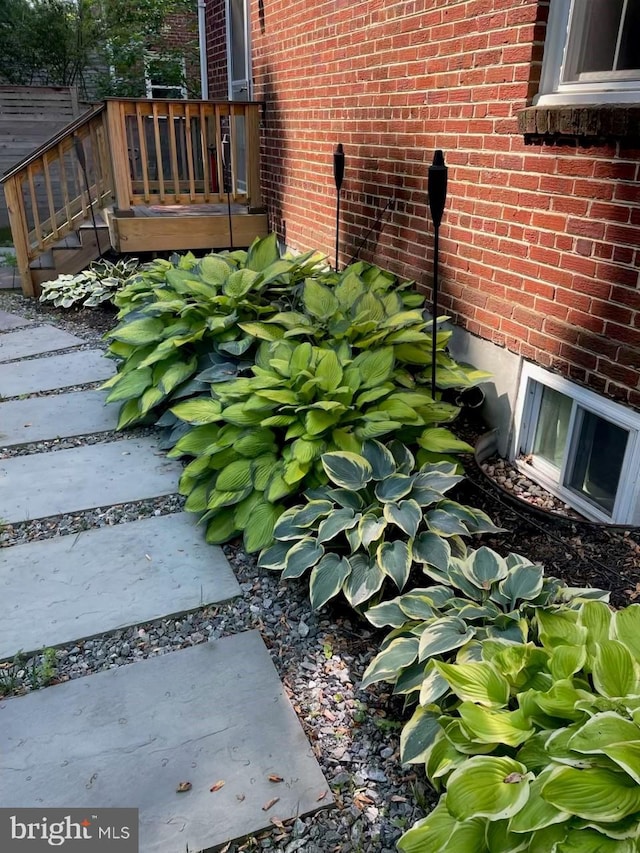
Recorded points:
73,253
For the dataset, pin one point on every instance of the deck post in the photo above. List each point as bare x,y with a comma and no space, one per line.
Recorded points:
254,191
19,232
117,143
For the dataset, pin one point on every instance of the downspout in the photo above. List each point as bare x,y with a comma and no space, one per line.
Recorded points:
202,39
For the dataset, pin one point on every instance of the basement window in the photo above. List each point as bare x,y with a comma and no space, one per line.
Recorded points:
580,446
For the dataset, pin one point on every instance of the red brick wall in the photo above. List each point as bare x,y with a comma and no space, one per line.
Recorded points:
216,49
181,34
540,243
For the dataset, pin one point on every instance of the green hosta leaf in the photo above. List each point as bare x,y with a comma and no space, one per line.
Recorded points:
317,421
221,528
259,534
602,731
484,568
627,756
198,497
593,794
177,373
262,331
129,414
199,411
386,613
239,283
380,458
443,635
597,618
301,557
375,366
327,578
214,270
243,511
148,330
445,524
440,440
537,812
150,398
394,558
318,300
329,371
236,476
406,515
614,671
567,660
265,469
386,665
254,443
432,834
496,727
262,253
218,499
560,627
418,735
306,451
476,682
348,470
488,786
626,626
560,700
130,385
337,522
590,841
365,580
431,549
394,487
433,684
500,840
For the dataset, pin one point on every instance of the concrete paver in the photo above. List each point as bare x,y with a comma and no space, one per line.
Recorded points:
12,321
129,736
39,339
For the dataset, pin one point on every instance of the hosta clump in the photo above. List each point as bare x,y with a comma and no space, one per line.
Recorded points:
259,439
377,519
477,596
540,748
175,314
100,282
367,308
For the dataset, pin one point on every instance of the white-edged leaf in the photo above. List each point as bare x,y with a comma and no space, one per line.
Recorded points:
327,578
488,786
347,470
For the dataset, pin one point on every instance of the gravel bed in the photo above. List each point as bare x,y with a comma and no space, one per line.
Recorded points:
54,444
54,392
90,324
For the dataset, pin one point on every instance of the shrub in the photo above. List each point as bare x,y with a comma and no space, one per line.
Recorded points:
378,518
100,282
539,747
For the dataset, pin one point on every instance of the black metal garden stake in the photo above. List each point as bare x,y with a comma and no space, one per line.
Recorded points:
338,175
437,189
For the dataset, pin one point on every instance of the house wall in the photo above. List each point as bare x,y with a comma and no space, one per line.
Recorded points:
181,34
216,31
540,243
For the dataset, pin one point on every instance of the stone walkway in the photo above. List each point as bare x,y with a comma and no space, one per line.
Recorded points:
128,736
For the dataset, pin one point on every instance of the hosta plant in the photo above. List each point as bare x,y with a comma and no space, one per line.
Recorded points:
477,595
259,439
379,517
175,314
539,748
99,283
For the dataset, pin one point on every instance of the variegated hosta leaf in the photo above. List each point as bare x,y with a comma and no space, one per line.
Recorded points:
301,556
380,458
347,470
614,671
327,578
594,794
394,558
405,514
386,665
365,580
419,734
495,727
484,567
481,683
443,635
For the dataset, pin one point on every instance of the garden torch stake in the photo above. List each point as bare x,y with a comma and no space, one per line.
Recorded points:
437,189
338,175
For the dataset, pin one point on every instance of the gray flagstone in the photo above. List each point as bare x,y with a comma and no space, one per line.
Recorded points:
129,736
34,341
55,371
72,587
62,481
12,321
58,416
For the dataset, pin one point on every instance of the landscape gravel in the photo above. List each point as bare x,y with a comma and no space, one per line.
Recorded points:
320,658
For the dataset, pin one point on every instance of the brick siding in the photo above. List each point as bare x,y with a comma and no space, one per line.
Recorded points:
216,31
540,243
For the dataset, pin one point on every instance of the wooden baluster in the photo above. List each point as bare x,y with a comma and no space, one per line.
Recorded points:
50,201
34,206
63,185
192,180
204,137
19,232
159,164
218,141
173,151
95,160
144,156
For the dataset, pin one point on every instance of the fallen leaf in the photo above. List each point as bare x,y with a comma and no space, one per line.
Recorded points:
361,800
267,806
226,847
219,784
276,822
322,796
397,799
182,787
273,777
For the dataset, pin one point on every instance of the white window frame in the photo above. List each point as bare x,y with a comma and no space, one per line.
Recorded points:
149,86
626,509
553,91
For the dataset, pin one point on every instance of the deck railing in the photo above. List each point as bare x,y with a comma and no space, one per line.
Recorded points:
135,152
184,152
50,193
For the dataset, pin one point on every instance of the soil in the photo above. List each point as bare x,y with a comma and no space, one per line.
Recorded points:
580,552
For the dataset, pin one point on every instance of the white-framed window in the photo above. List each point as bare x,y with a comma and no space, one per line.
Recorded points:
582,447
591,53
164,76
